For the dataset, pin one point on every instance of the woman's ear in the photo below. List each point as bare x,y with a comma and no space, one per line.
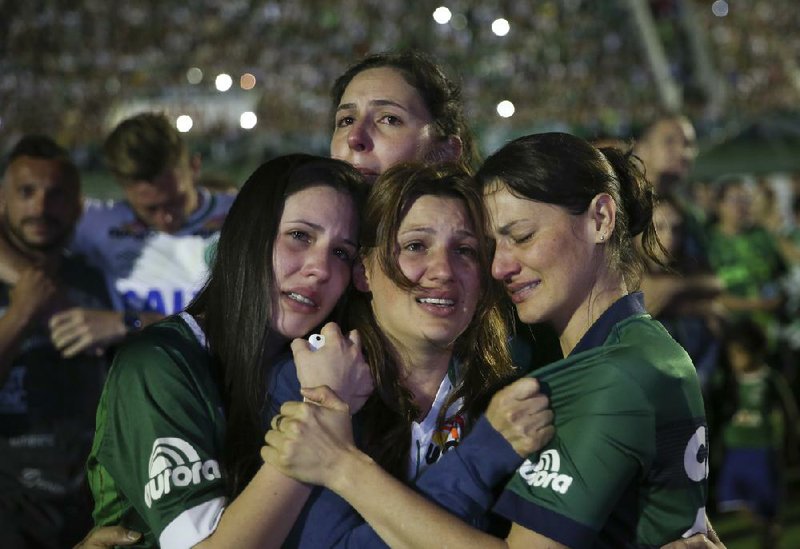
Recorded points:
603,216
453,147
360,278
448,149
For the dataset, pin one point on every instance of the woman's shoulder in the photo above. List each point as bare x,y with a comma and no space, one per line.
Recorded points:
642,335
648,356
166,350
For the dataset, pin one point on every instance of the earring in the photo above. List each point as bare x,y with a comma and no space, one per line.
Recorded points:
602,237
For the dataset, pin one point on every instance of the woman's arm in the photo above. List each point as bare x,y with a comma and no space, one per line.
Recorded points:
404,518
262,515
157,451
108,536
399,515
316,447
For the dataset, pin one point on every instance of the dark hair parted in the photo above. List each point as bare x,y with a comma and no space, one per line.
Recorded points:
43,147
37,146
567,171
481,350
441,96
143,147
235,303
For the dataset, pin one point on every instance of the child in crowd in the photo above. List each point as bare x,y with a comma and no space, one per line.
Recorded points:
761,430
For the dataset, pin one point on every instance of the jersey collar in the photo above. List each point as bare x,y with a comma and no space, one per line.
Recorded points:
626,306
205,203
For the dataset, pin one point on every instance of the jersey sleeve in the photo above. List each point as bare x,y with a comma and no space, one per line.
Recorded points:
465,479
462,482
161,444
83,240
283,386
603,440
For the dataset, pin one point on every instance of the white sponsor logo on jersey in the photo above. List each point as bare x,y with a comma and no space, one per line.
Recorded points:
175,463
545,474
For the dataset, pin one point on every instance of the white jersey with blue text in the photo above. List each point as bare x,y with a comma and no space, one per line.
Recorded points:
148,270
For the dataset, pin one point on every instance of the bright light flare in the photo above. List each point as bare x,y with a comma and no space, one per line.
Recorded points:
442,15
247,81
223,82
505,109
500,27
184,123
248,120
719,8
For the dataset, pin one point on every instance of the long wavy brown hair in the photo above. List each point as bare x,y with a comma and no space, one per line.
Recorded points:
482,352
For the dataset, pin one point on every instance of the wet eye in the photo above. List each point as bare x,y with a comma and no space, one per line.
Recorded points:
343,254
467,251
414,247
391,120
300,235
344,121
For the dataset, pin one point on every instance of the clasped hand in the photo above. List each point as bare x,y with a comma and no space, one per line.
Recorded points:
308,440
339,364
522,415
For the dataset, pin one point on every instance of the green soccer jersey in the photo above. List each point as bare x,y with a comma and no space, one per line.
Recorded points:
628,464
747,263
758,420
154,465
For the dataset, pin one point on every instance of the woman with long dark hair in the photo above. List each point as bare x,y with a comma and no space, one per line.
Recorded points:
175,454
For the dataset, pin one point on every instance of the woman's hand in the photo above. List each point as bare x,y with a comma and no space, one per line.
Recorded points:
520,413
697,541
308,440
710,540
339,364
108,536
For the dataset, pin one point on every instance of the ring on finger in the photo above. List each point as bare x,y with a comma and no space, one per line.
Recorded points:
277,421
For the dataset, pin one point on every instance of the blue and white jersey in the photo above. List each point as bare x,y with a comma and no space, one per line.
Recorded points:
148,270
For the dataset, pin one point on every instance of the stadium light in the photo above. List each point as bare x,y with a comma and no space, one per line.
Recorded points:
184,123
505,109
442,15
194,75
719,8
248,120
247,81
500,27
223,82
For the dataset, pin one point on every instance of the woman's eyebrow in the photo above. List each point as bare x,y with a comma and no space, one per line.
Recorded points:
430,230
319,228
372,103
506,229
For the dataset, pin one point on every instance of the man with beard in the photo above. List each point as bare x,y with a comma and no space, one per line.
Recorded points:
47,402
153,245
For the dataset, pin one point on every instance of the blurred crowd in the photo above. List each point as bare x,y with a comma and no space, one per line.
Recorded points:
568,63
729,290
729,295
